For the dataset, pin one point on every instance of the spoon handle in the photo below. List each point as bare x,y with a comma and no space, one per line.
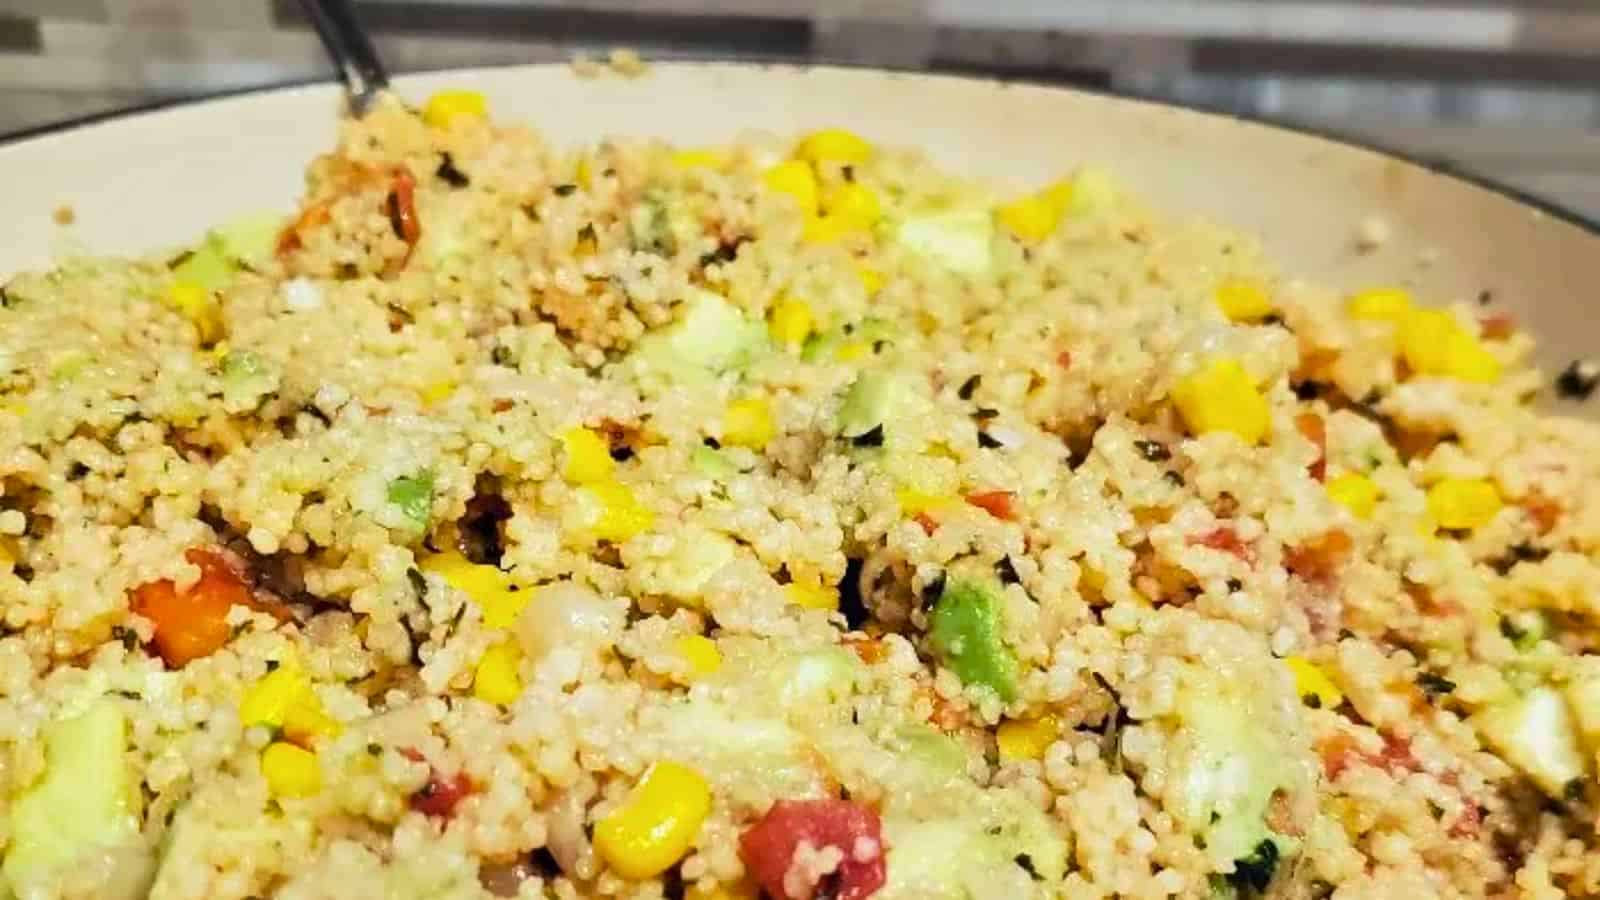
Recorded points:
351,50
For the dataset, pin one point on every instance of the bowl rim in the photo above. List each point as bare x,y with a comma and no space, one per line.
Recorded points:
1437,167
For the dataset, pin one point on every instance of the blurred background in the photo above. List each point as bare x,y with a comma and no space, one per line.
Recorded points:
1505,88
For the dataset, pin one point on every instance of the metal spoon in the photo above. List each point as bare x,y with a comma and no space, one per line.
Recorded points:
351,51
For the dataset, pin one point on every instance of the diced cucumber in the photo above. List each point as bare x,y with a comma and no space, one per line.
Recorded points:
1583,694
1535,733
712,336
249,239
964,632
1094,191
85,801
960,240
712,463
821,676
923,746
868,402
1232,767
697,554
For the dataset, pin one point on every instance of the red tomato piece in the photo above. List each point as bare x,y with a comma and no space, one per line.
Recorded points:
769,846
442,793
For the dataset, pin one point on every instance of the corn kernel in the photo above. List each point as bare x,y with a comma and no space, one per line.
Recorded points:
1458,503
1059,196
1380,305
446,108
704,158
913,502
1020,739
824,229
748,423
812,596
791,322
1031,218
850,351
871,279
621,515
1243,299
199,306
834,145
1220,396
583,173
290,771
437,392
305,722
854,205
16,409
796,179
657,825
700,652
1355,492
496,680
1312,684
1433,342
490,588
588,457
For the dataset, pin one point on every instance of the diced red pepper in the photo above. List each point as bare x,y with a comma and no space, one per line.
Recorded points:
769,846
1064,359
928,523
442,793
194,623
1321,558
1497,327
403,206
1315,430
1225,539
999,504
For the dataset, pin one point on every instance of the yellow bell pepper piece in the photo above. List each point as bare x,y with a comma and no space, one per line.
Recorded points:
834,145
445,108
1433,342
496,679
1243,299
290,771
1355,492
871,279
1220,396
825,229
795,178
1031,219
284,699
657,825
198,305
1020,739
588,457
748,423
1385,304
812,596
791,323
488,587
1463,503
622,516
700,652
1312,684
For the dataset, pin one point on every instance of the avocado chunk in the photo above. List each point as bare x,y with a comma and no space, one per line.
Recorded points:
964,632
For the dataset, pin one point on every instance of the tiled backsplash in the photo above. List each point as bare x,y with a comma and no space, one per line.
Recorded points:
1510,88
